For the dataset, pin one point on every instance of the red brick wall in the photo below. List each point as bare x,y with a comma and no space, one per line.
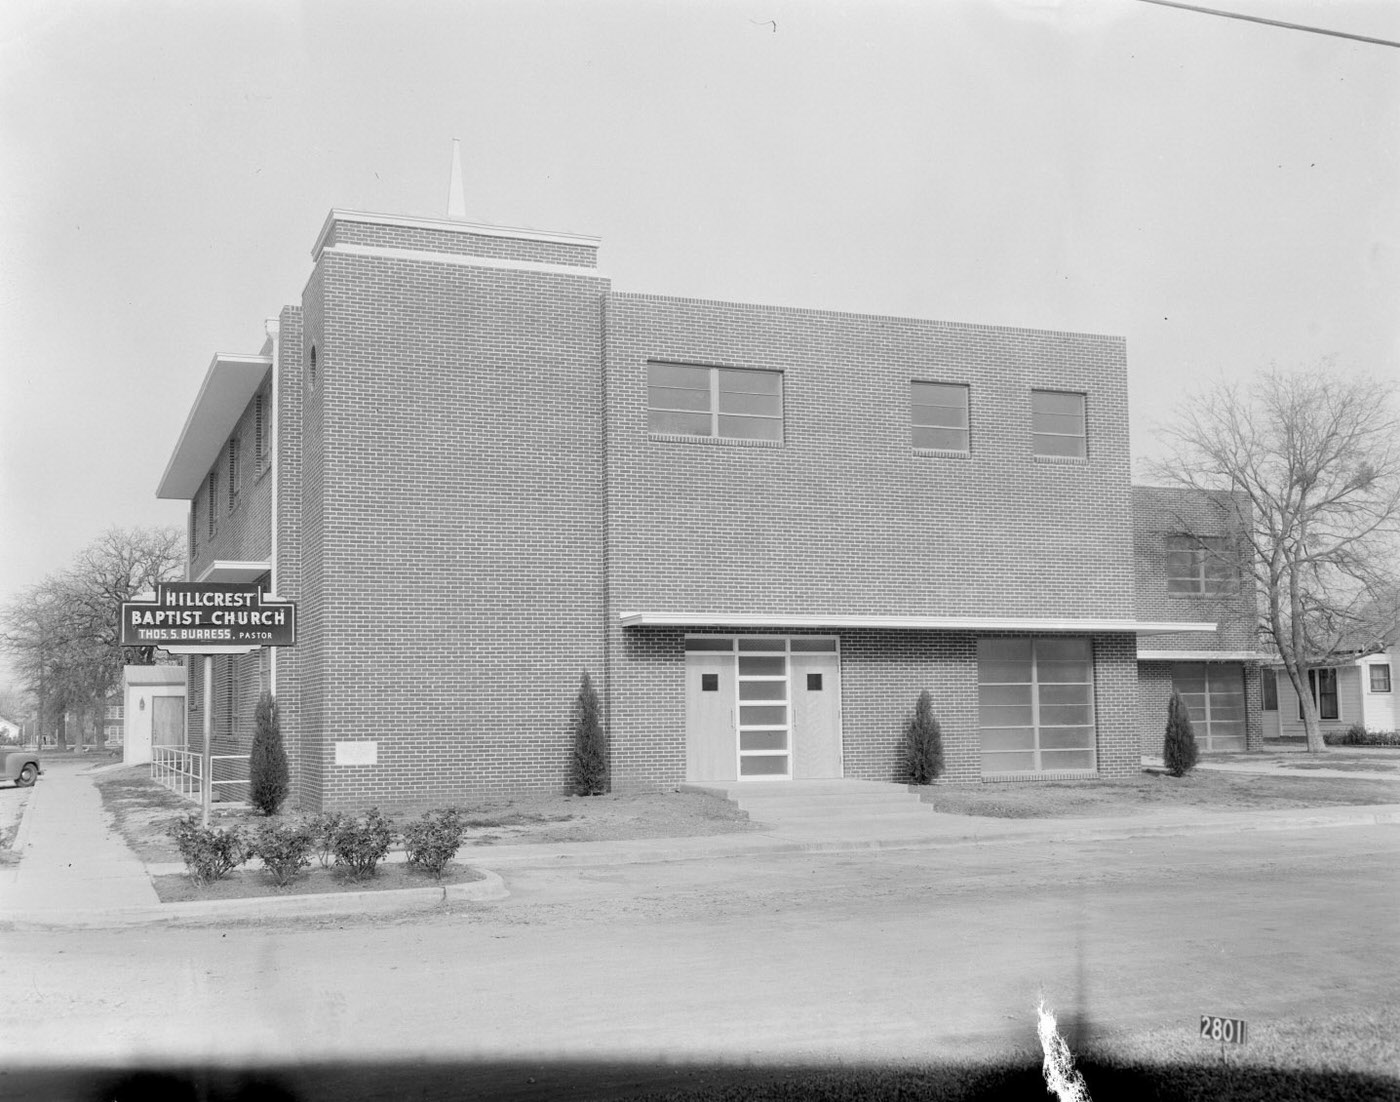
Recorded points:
845,518
452,526
1161,512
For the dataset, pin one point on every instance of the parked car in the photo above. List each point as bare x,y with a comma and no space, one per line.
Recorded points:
21,766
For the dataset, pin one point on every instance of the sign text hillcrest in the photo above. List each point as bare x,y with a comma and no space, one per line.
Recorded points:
220,614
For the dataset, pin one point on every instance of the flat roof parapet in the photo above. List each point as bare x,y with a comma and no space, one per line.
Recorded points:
453,237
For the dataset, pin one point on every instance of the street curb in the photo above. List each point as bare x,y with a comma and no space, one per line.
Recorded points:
763,843
22,831
326,905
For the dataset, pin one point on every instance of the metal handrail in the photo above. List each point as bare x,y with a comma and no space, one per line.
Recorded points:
182,771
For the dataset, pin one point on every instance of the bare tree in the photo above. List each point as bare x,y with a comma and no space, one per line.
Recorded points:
64,633
1313,465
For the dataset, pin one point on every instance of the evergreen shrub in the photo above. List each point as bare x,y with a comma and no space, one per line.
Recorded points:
923,743
269,777
1179,751
432,841
210,853
361,843
590,765
285,849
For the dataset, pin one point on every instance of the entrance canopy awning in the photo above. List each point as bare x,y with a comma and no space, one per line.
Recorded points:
223,570
228,387
1202,656
775,621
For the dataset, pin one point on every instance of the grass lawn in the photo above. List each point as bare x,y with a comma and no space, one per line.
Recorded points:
1154,791
143,813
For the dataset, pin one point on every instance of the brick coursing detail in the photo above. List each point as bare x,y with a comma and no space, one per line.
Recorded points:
457,243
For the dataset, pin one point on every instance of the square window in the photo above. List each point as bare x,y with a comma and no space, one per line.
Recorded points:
814,682
1380,677
938,416
717,402
709,682
1196,566
1058,425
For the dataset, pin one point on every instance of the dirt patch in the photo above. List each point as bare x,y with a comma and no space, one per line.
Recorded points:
1154,791
256,884
143,813
13,801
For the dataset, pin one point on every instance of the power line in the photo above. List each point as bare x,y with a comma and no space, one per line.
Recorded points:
1272,22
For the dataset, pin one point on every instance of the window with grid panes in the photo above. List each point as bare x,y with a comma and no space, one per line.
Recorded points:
1380,677
716,402
1196,566
938,415
1322,686
1214,697
1036,705
1058,427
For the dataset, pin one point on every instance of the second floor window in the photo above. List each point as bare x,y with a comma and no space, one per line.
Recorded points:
1196,566
718,402
938,415
1057,425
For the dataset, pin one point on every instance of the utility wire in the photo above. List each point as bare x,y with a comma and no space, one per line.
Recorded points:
1272,22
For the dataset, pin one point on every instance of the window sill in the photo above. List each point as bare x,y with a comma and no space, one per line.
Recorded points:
1056,775
1061,460
1211,595
942,453
722,441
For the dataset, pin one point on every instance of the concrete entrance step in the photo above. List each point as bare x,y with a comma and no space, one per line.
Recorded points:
802,802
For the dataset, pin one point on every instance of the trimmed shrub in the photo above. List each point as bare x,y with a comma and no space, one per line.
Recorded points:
361,843
923,743
590,767
432,841
269,777
1357,735
210,853
323,828
1179,751
285,849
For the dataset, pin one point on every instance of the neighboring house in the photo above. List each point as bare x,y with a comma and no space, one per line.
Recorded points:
481,471
1354,689
154,701
9,731
1188,560
113,720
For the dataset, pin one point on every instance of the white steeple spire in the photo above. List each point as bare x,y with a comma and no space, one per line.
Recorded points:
456,197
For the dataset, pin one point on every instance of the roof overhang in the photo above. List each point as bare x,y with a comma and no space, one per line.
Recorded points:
224,570
1203,656
228,387
907,623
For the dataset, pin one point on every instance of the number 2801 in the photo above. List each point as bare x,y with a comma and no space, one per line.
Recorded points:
1230,1030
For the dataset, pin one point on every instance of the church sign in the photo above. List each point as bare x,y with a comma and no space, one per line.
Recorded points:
209,614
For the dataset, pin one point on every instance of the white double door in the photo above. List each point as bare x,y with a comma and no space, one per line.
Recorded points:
765,709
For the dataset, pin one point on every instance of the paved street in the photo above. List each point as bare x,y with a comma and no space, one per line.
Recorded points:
888,956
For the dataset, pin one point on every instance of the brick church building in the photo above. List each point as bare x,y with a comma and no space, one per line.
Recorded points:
481,471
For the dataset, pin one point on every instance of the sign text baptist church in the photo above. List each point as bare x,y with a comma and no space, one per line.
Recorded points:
219,614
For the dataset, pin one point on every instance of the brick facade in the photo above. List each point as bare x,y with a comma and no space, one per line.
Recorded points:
469,499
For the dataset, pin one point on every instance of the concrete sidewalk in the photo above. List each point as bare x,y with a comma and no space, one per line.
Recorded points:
75,873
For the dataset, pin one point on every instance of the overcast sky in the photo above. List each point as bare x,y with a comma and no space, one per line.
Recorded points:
1224,194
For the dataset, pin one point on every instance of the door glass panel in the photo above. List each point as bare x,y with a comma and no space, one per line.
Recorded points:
762,644
775,666
763,765
763,690
762,740
818,645
763,715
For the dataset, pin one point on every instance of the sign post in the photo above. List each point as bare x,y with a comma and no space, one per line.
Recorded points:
209,618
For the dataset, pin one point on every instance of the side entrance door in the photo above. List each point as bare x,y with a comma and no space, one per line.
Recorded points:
815,692
710,752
